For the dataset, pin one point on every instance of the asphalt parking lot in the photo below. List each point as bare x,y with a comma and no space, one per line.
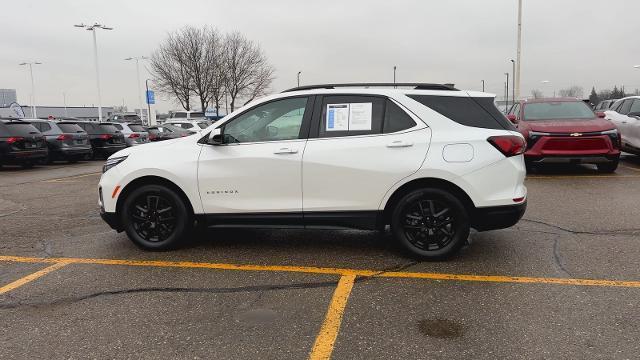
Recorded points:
563,283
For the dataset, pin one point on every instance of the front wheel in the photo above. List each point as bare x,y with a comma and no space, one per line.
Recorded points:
430,224
155,217
609,167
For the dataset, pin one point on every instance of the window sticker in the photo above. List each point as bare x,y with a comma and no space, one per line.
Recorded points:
349,117
360,116
337,117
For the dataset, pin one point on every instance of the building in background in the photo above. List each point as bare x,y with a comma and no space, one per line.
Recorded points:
81,112
8,96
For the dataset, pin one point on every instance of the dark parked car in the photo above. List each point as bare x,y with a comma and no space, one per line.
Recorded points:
166,132
65,140
21,143
105,138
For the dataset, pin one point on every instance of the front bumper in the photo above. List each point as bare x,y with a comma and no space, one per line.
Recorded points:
497,217
112,220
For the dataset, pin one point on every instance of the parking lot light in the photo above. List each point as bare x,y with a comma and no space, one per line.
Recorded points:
137,59
33,86
93,28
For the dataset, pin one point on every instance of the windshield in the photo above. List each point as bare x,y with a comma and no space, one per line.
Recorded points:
557,110
21,128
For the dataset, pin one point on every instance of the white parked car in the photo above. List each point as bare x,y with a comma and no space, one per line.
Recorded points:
186,115
430,161
625,114
193,125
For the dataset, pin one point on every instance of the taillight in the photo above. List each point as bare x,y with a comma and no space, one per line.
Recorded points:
509,145
63,137
14,139
134,136
105,136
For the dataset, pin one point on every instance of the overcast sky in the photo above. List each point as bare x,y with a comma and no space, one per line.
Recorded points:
568,42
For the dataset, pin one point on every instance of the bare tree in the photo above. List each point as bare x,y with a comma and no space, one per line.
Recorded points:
248,74
170,71
202,49
572,91
536,94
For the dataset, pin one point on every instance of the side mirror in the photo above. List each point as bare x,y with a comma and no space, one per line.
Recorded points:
216,137
600,114
512,118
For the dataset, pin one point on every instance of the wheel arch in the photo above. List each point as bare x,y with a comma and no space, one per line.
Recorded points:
152,180
420,183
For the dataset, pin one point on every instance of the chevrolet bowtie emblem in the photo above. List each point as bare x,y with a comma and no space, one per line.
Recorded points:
575,134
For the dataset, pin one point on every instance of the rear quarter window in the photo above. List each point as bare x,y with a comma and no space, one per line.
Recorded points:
478,112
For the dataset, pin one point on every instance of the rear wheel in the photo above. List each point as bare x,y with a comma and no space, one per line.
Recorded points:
608,167
430,224
155,217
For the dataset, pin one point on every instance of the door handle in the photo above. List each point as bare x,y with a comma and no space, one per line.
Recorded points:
283,151
399,144
624,122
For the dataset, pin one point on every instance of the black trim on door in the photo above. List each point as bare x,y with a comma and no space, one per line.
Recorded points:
366,220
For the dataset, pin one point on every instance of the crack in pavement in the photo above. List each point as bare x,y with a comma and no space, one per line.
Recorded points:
610,232
243,289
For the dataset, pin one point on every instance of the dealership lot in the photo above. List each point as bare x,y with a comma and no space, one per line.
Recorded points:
564,281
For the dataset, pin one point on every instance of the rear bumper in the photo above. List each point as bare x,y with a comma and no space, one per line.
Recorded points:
497,217
109,149
577,159
72,151
16,157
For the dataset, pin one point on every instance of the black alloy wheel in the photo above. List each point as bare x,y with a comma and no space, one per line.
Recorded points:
430,223
155,217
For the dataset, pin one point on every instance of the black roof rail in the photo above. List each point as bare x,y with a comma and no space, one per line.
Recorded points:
416,86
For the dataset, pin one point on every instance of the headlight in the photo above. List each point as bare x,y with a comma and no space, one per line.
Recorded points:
112,162
610,132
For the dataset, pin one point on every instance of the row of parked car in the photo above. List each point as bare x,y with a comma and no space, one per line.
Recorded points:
27,142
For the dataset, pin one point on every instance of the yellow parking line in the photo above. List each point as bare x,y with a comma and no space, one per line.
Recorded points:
66,179
334,271
323,346
29,278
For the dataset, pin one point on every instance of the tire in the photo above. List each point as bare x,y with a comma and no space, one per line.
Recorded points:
166,227
608,168
425,236
528,165
27,164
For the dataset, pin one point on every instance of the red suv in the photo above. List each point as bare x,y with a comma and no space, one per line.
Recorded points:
566,130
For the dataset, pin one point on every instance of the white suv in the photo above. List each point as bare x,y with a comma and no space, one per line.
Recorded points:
431,161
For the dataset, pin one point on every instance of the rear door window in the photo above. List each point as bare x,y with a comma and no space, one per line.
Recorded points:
44,127
635,107
396,119
349,115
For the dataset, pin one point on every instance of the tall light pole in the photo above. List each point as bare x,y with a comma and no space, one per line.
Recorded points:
518,51
299,72
93,28
137,59
482,85
513,79
506,94
33,87
64,99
